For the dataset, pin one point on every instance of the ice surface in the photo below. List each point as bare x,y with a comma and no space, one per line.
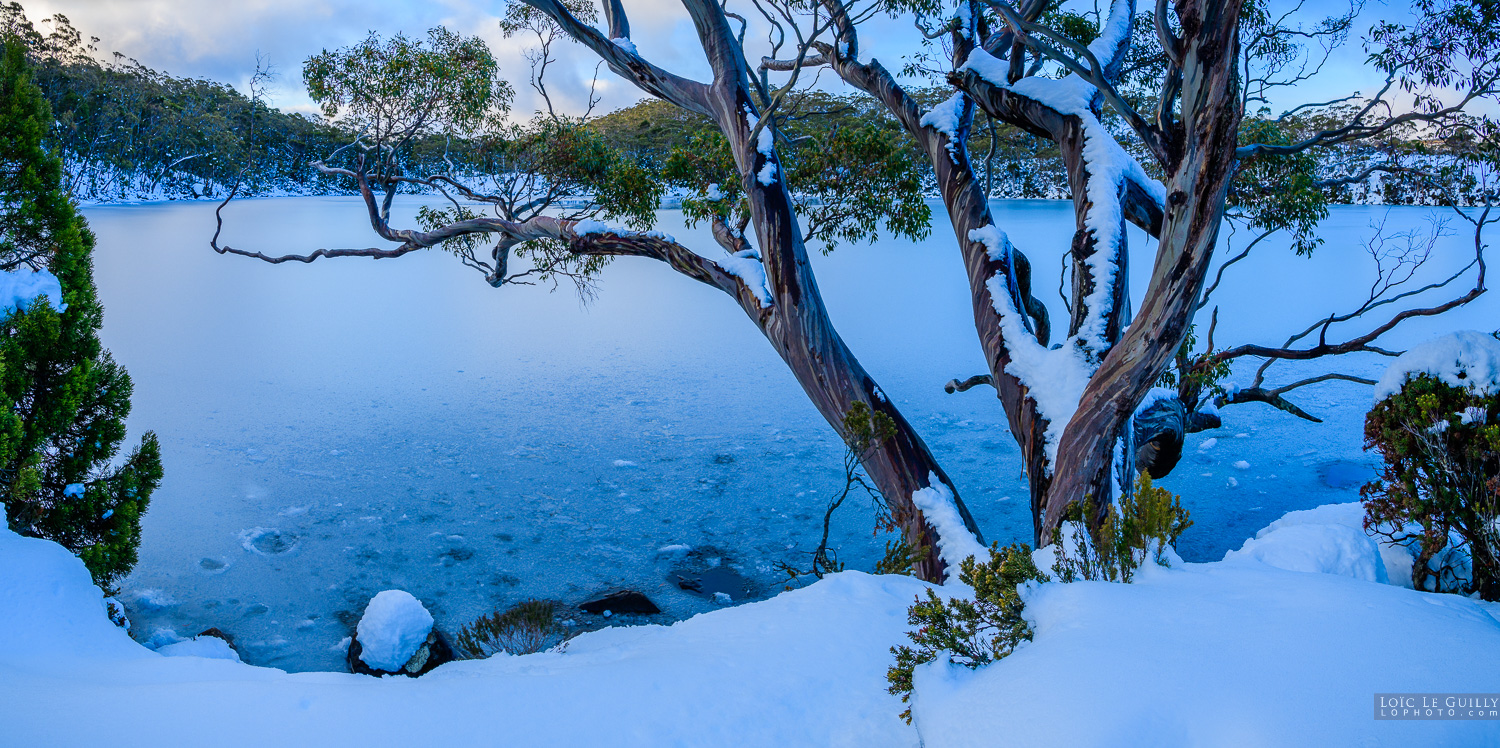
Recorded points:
392,629
379,429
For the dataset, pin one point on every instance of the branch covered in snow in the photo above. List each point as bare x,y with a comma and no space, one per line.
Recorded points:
955,542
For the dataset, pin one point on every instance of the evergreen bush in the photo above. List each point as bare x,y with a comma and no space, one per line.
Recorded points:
971,632
1140,525
974,632
1439,491
63,399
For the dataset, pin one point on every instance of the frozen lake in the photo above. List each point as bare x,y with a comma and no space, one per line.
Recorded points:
335,429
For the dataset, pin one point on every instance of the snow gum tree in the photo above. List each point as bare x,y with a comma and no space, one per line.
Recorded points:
63,399
554,182
1149,114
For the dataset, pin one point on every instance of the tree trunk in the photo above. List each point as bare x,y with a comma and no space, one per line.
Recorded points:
799,328
1202,157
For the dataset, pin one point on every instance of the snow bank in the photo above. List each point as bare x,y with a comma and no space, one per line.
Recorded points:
1317,549
804,668
20,287
1221,654
1329,539
1465,359
1218,655
394,625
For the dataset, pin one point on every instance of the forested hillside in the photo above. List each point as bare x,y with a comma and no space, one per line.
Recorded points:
127,132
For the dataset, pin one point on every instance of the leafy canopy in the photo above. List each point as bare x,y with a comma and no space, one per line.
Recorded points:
398,88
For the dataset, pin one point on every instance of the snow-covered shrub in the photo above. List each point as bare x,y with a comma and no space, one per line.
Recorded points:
969,632
1143,524
1437,424
524,628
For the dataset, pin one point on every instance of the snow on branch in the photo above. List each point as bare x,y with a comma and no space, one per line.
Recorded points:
1111,173
20,287
747,267
947,118
1054,377
955,542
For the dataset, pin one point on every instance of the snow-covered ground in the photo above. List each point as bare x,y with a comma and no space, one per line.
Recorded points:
1233,653
337,429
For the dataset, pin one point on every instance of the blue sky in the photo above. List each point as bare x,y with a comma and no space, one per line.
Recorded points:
220,40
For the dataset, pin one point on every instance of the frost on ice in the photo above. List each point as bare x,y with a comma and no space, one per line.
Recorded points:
1465,359
394,625
955,542
20,287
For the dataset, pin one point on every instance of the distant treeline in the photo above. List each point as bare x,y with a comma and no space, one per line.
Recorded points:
126,132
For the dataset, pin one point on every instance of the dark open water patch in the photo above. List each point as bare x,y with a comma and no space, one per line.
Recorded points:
1346,474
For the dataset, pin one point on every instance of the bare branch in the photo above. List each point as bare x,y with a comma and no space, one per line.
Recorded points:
688,94
954,385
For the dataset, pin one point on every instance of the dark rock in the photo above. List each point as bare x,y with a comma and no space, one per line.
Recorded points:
433,652
1159,435
688,583
626,601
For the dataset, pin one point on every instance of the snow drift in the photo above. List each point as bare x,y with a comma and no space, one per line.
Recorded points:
1233,654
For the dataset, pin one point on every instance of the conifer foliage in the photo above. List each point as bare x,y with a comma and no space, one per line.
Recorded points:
63,399
1439,491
